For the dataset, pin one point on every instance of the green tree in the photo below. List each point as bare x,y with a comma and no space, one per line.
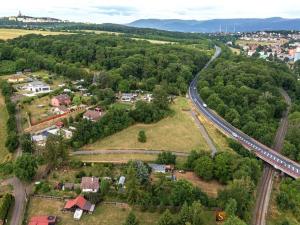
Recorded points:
231,207
181,192
166,158
184,215
131,219
26,143
204,167
76,100
166,219
25,167
160,98
132,187
142,136
56,150
234,221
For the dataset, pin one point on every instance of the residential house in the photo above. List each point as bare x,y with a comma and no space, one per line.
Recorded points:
60,110
43,220
128,97
79,203
157,168
93,115
61,100
64,132
38,87
39,139
89,184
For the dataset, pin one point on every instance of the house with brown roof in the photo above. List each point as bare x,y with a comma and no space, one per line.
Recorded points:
61,100
60,110
89,184
93,115
79,203
43,220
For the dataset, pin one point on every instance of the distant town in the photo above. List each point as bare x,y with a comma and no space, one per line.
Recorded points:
29,19
270,45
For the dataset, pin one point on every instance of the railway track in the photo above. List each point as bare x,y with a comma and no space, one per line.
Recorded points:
266,183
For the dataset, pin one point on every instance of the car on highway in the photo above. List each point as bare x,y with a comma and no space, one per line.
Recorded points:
204,105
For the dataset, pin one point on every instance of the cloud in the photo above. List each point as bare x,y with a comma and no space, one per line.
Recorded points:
115,10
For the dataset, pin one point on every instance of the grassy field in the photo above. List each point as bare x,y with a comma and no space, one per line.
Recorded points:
38,109
218,138
103,215
175,133
4,154
211,188
6,34
235,51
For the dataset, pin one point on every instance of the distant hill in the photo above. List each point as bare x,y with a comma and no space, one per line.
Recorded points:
210,26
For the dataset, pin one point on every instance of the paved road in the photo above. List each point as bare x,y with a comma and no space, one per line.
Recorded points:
265,153
205,135
265,187
124,151
20,200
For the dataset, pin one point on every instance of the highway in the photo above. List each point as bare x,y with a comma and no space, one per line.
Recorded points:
263,152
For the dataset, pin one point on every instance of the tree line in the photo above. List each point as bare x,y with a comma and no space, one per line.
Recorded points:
245,91
12,140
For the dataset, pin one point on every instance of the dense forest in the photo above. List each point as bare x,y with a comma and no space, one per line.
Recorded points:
122,64
246,92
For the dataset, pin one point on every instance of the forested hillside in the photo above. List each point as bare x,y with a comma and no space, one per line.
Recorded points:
246,93
124,64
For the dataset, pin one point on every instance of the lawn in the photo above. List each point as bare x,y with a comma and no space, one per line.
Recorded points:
103,215
211,188
6,34
4,154
38,109
175,133
219,138
120,158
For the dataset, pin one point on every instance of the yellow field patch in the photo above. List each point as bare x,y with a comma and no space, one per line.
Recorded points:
6,34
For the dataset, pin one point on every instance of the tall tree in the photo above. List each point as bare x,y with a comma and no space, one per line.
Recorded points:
56,150
166,219
25,167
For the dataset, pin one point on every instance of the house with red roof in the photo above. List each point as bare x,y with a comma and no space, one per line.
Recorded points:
79,203
43,220
93,115
61,100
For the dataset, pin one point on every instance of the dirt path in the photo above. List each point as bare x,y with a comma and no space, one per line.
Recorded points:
205,135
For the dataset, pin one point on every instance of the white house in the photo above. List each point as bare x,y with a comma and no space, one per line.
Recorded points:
38,87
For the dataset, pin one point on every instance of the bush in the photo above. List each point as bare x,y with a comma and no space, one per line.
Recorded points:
80,174
75,164
142,136
166,158
5,204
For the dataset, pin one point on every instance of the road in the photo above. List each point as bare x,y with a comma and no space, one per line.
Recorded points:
124,151
263,152
265,187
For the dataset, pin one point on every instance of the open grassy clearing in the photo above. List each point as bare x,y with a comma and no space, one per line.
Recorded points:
175,133
120,158
4,154
6,34
235,51
103,215
38,109
218,138
211,188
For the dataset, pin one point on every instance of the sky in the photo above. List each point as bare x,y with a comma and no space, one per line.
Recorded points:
126,11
